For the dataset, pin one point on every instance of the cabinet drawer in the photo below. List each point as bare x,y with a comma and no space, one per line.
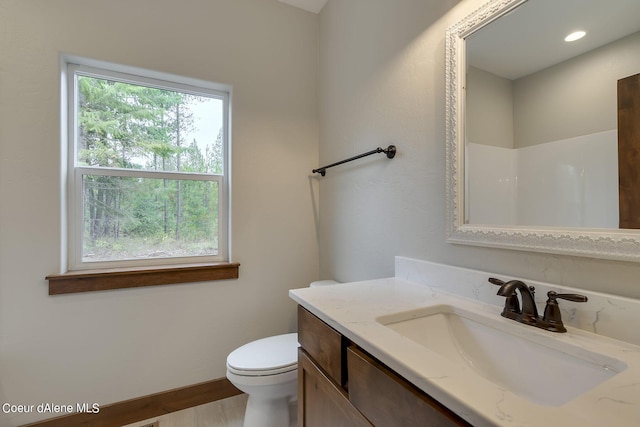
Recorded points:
387,399
323,344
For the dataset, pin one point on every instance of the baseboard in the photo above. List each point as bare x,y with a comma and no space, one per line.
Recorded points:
142,408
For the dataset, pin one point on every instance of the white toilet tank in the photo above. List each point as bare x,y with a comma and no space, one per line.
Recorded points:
322,283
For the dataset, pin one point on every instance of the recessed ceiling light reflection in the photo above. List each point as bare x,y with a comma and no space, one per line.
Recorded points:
577,35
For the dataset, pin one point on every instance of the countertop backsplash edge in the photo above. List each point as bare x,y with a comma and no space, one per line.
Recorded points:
608,315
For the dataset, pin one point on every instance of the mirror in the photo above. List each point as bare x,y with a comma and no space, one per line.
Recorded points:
532,127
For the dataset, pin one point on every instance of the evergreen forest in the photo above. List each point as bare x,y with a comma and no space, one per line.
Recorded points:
135,139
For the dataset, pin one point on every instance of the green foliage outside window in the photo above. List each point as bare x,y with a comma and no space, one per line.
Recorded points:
127,126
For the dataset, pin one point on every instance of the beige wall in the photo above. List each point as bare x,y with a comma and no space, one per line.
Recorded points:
576,97
489,109
381,81
110,346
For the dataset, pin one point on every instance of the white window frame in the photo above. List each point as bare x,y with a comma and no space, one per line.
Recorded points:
72,67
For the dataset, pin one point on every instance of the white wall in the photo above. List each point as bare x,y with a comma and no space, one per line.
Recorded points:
110,346
567,183
382,80
491,192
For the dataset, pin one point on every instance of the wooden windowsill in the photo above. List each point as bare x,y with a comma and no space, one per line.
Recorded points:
101,280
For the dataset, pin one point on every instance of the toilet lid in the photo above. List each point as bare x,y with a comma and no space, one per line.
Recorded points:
266,356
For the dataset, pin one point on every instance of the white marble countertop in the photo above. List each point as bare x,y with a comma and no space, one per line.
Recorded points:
352,309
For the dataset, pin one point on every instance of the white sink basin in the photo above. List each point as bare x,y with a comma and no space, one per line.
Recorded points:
539,366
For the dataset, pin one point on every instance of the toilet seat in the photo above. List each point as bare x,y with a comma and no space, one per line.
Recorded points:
266,356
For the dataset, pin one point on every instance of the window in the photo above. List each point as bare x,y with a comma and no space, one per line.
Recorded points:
148,168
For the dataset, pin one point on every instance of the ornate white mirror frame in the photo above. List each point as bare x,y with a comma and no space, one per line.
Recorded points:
594,243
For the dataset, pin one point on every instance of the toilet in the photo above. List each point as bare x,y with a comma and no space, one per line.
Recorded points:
267,371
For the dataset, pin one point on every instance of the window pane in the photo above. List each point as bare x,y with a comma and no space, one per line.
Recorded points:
140,218
123,125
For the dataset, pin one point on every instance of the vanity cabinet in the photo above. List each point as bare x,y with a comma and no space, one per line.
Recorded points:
321,402
339,384
323,399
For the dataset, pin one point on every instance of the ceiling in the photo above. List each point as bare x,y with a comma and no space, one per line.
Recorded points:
531,37
314,6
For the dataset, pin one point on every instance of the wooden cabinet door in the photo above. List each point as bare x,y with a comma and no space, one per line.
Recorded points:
321,403
387,399
629,151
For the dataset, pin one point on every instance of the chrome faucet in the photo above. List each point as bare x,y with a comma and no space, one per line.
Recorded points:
551,321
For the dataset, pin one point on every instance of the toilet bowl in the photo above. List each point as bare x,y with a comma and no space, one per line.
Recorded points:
267,371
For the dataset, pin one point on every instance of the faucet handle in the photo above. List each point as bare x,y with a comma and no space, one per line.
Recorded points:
552,313
496,281
568,297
